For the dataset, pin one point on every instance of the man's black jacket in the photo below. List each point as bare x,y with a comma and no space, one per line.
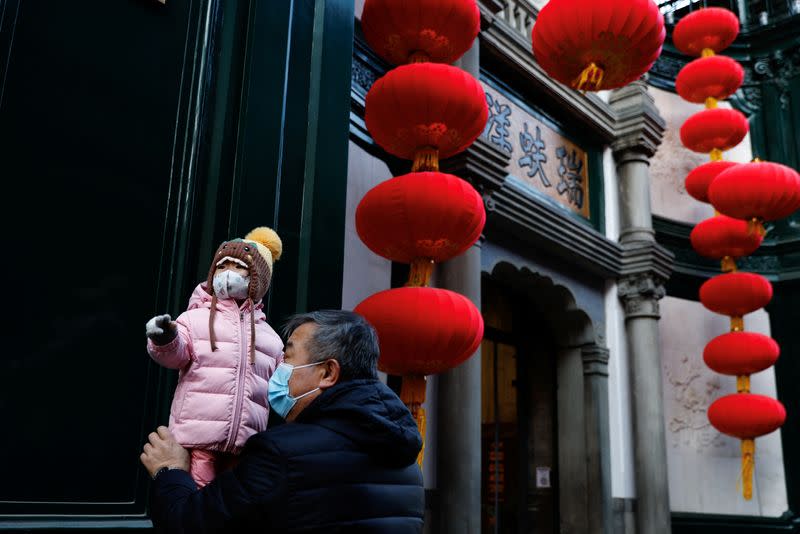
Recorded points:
347,464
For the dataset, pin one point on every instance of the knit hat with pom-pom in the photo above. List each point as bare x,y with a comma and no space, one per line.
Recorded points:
257,252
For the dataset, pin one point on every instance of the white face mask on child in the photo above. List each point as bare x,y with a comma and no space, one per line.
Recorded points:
231,285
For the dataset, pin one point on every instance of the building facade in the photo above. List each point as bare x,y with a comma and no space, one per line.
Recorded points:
154,131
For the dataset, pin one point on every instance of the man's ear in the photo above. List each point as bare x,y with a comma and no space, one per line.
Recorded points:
332,369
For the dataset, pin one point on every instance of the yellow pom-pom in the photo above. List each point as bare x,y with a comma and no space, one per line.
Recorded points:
269,238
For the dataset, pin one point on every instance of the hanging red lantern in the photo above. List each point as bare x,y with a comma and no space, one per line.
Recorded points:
422,330
711,28
747,416
714,129
598,45
439,31
698,180
720,237
717,77
741,353
736,294
762,191
426,111
421,216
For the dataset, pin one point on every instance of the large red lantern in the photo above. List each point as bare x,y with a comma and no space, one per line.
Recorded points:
720,237
426,111
710,28
763,191
714,129
698,180
422,330
747,416
736,294
594,45
403,31
716,77
425,215
741,353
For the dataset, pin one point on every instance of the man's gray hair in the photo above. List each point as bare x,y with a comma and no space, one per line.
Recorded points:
343,336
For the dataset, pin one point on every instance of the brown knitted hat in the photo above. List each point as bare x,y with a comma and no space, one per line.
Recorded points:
257,252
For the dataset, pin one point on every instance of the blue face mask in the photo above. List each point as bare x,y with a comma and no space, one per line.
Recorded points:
279,398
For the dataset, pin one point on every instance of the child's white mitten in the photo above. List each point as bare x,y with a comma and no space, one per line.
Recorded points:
161,329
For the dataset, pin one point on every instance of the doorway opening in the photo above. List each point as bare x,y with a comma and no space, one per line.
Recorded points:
519,422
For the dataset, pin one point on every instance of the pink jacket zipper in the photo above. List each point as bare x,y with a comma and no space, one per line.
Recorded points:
242,372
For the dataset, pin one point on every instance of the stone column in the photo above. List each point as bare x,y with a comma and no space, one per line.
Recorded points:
459,412
645,268
459,416
598,455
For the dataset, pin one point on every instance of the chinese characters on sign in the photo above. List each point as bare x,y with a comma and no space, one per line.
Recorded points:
498,123
543,158
534,154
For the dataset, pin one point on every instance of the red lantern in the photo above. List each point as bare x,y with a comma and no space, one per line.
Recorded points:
741,353
428,215
422,330
746,415
766,191
439,31
598,45
425,111
698,180
714,28
736,294
711,129
717,77
723,236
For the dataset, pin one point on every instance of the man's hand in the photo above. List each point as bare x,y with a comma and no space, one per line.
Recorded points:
161,329
163,451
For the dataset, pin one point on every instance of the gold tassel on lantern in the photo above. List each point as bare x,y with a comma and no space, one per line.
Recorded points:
590,79
426,160
728,265
743,384
748,466
420,274
756,226
412,393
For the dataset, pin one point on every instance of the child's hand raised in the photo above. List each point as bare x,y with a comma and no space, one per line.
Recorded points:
161,329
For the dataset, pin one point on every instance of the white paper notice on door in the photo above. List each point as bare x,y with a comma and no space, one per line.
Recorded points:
542,477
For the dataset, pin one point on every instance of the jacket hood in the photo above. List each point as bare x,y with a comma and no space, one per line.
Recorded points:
372,416
202,299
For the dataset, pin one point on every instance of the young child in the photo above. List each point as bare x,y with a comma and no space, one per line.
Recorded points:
226,353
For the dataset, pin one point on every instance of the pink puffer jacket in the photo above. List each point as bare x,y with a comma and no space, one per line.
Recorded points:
221,398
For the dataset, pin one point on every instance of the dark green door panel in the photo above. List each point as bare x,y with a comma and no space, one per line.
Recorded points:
134,136
87,124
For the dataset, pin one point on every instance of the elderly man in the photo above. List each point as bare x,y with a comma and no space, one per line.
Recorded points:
344,462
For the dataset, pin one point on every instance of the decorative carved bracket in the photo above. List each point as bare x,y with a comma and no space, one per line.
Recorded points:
646,266
640,126
595,360
640,294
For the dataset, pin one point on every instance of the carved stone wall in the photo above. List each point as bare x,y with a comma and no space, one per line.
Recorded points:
704,465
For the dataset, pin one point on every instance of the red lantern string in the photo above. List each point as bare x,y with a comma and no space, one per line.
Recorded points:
753,192
422,110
